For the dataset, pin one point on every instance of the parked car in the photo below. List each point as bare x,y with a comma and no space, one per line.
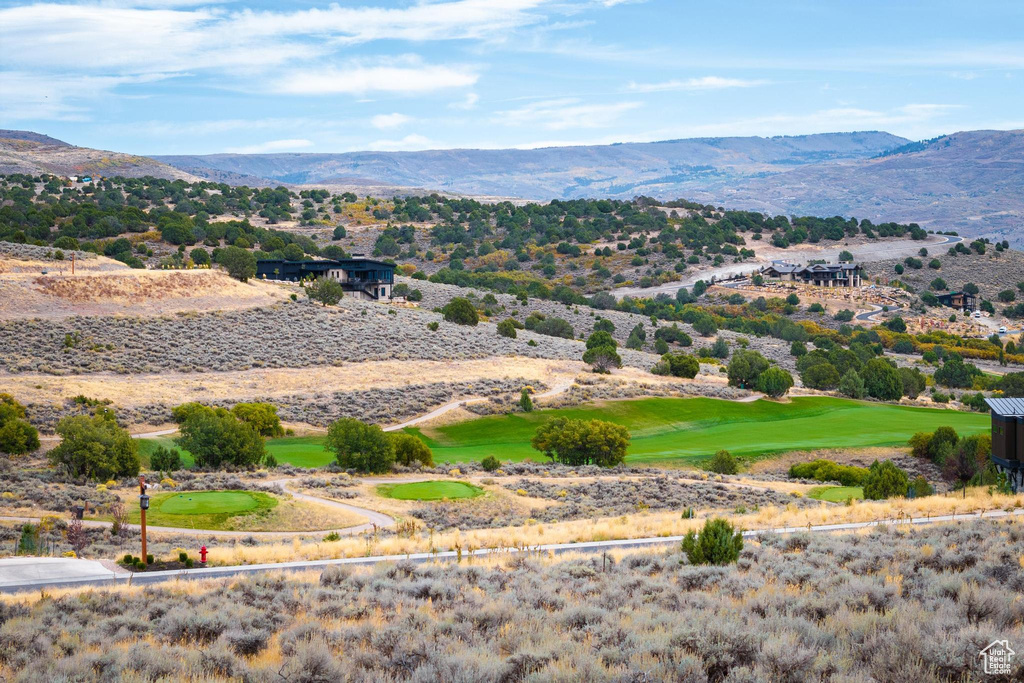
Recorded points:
1002,329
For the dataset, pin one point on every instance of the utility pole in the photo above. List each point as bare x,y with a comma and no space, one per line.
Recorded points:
143,506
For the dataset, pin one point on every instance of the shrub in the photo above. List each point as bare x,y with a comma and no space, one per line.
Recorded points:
681,365
359,446
262,416
165,460
240,263
490,464
723,462
717,544
823,376
827,470
885,480
525,402
506,328
602,358
882,380
852,385
410,450
745,368
775,381
217,438
582,442
460,311
913,382
432,326
798,348
325,291
844,316
415,295
95,447
17,436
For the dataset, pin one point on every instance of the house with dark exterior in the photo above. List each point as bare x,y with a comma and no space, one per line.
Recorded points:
361,278
817,274
960,300
1008,439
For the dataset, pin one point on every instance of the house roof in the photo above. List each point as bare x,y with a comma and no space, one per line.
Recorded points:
342,263
1006,407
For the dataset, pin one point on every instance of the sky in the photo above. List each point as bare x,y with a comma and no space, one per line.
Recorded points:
245,76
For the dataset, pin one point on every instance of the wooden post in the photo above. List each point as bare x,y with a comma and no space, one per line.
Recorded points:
72,263
142,517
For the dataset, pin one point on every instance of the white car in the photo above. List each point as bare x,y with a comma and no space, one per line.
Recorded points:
977,314
1002,330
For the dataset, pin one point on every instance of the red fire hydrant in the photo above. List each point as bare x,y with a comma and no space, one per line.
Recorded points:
202,555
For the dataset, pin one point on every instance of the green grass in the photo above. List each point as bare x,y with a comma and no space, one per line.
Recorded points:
667,430
147,446
429,490
202,509
836,494
301,451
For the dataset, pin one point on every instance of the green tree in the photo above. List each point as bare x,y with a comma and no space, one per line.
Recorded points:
852,385
17,436
582,442
601,338
325,291
723,462
460,311
681,365
410,450
955,373
165,460
745,368
968,458
507,328
718,544
525,402
94,447
775,381
919,444
216,438
359,446
885,480
240,263
262,416
822,376
490,464
896,324
882,380
942,443
602,358
913,382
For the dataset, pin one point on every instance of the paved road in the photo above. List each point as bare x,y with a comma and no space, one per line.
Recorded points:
15,585
861,252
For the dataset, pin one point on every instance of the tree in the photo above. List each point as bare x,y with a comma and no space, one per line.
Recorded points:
955,373
792,300
490,464
94,447
968,458
525,402
262,416
582,442
919,444
798,348
852,385
885,480
165,460
637,337
460,311
602,358
941,445
822,376
17,436
1011,384
240,263
681,365
882,380
409,450
359,446
723,462
745,368
845,256
775,381
971,288
507,328
216,438
913,382
718,544
325,291
704,325
896,324
601,338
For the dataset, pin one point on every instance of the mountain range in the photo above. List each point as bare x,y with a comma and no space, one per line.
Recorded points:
972,182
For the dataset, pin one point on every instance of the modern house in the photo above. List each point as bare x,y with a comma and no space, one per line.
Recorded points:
360,277
960,300
818,274
1008,439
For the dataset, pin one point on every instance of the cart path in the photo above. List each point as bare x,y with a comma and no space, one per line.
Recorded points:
13,579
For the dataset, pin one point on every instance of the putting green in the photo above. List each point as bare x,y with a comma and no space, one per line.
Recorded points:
209,503
429,490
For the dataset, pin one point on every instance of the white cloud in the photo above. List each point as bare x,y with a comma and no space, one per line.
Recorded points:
56,98
271,146
703,83
406,76
565,113
468,102
407,144
385,121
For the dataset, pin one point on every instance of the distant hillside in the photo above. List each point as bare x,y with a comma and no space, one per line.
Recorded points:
28,152
668,169
972,182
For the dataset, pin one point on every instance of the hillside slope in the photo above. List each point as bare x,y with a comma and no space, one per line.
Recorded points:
670,168
27,152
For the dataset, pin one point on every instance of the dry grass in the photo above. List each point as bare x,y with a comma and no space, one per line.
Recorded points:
641,525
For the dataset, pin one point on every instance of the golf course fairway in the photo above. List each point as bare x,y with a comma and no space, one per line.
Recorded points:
666,430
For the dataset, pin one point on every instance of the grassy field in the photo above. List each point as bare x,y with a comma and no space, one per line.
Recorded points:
429,490
301,451
667,430
203,509
836,494
147,446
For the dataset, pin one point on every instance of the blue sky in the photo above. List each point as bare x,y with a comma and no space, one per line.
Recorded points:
191,76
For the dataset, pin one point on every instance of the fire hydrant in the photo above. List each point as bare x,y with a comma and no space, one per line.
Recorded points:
202,555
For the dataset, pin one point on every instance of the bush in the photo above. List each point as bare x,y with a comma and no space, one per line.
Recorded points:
844,316
460,311
775,381
94,447
913,381
490,464
885,480
882,380
217,438
681,365
745,368
723,462
525,402
359,446
262,416
717,544
165,460
17,436
827,470
822,376
798,348
325,291
240,263
582,442
852,385
410,450
602,358
506,328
